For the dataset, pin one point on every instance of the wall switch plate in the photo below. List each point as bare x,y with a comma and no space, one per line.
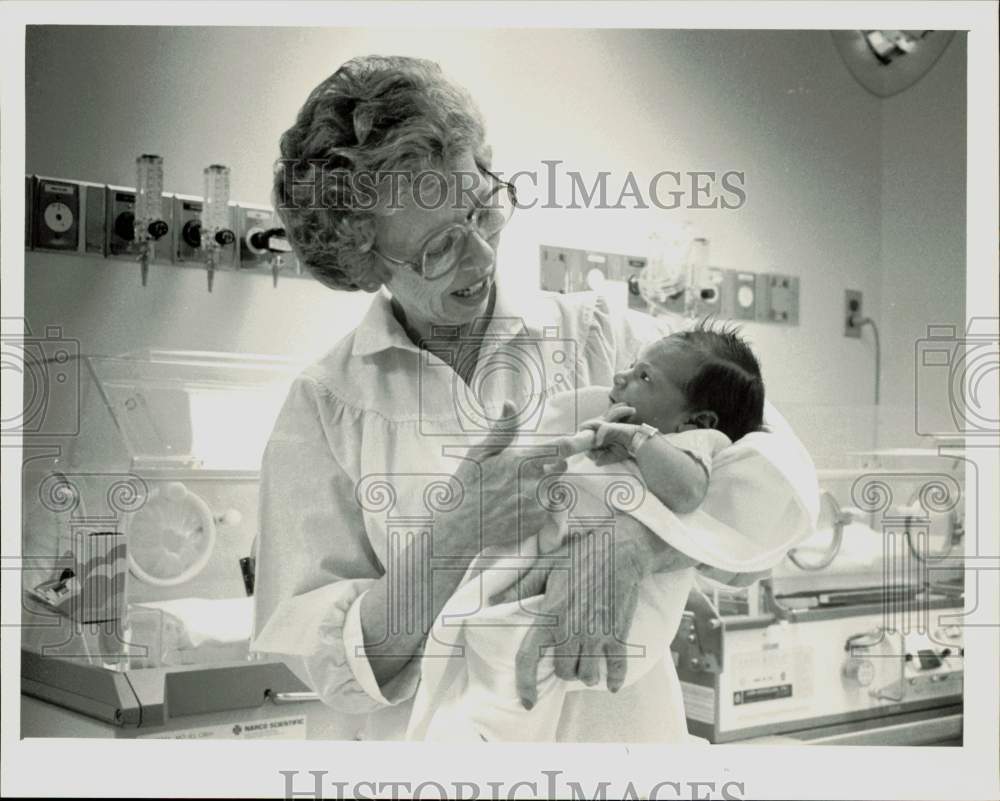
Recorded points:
778,298
56,215
852,306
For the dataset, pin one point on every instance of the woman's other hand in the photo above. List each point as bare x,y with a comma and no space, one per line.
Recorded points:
499,482
591,586
591,592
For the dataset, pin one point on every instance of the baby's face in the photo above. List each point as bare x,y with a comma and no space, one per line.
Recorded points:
653,385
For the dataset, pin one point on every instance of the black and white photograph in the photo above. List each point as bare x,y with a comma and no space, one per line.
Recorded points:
460,400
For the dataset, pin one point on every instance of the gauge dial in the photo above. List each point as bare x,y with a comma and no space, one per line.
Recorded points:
58,217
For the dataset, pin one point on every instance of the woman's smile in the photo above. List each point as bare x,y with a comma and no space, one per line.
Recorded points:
474,294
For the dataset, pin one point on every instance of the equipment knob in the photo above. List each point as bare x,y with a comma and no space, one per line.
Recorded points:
191,233
273,240
860,671
158,229
125,226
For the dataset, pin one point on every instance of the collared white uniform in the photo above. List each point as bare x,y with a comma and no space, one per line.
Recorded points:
358,460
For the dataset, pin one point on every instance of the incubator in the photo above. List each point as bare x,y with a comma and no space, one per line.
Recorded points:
139,500
856,638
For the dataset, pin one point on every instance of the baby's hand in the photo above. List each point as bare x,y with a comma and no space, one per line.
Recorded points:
618,413
611,437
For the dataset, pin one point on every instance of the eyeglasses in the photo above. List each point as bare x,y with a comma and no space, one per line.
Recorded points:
444,248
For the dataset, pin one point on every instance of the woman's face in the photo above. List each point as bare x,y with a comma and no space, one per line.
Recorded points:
401,235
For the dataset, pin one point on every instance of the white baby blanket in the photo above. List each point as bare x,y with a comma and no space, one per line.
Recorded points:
762,500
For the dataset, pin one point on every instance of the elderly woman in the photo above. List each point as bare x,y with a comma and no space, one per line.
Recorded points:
390,468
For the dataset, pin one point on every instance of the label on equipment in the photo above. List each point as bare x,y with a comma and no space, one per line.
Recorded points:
58,189
762,694
699,702
291,728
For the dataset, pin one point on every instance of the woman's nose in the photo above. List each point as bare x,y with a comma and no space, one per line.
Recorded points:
478,254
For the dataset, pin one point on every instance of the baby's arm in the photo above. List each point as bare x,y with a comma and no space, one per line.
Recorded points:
677,479
674,476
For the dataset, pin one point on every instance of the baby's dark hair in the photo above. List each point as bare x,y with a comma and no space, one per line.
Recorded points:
728,381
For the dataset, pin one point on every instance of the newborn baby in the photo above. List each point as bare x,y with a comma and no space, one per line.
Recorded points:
685,399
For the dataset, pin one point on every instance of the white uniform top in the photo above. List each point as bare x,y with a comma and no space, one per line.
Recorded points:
359,460
468,683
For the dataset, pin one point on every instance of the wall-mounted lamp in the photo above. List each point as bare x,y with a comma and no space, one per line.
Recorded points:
890,45
876,58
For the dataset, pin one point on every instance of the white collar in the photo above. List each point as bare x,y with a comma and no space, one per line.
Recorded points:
379,329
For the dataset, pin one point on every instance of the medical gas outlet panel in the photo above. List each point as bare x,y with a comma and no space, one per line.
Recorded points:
99,220
725,293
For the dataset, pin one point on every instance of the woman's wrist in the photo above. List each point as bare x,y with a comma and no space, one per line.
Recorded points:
456,537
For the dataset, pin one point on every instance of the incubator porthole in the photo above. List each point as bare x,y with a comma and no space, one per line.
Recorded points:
171,538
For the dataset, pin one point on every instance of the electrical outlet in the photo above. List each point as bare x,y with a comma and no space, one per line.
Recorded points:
852,310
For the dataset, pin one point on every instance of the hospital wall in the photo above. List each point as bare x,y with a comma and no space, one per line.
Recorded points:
833,193
923,240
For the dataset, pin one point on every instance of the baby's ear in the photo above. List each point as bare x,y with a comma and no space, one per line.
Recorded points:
705,419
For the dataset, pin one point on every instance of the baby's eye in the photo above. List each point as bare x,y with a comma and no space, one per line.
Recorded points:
645,376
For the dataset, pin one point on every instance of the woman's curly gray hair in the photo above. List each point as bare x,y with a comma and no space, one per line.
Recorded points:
375,115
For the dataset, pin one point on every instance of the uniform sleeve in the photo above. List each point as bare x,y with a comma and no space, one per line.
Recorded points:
314,560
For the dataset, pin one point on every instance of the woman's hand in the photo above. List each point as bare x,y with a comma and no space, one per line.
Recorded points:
591,594
611,435
499,483
591,586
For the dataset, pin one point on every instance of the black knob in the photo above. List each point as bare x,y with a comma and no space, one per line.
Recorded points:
125,226
633,285
158,229
261,240
191,233
225,237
